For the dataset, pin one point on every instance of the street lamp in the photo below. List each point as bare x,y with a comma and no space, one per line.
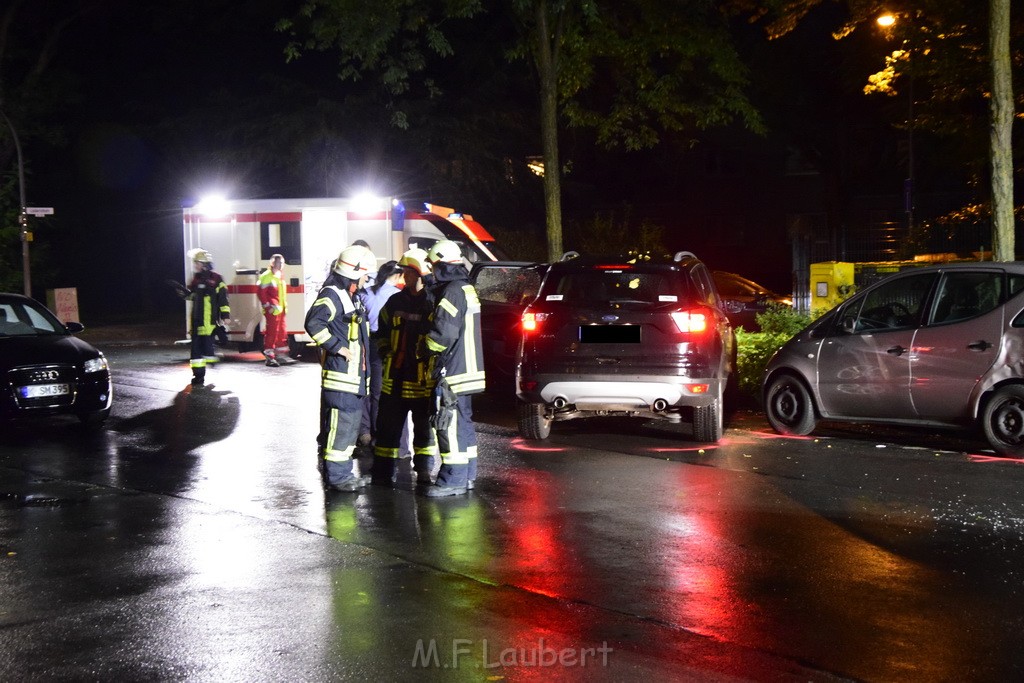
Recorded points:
23,216
887,21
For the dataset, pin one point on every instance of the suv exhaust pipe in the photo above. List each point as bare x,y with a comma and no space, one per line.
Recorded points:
559,403
659,405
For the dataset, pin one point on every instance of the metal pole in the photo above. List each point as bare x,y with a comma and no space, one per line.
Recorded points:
23,216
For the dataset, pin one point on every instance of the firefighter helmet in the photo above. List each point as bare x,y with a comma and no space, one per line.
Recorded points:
445,251
200,255
416,258
354,262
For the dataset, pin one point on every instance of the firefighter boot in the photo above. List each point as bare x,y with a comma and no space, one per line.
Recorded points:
341,476
383,471
198,376
451,481
423,465
363,468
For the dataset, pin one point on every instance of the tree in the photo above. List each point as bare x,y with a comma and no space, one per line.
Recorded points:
1003,245
945,52
629,69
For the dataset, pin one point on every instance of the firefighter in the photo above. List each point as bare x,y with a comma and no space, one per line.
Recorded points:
272,291
406,385
209,297
337,323
456,349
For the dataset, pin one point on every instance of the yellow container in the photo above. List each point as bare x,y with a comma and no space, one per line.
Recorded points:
831,282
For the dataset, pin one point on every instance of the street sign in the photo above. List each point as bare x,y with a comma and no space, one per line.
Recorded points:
39,210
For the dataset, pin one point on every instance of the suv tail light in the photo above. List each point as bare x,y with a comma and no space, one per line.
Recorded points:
532,320
693,320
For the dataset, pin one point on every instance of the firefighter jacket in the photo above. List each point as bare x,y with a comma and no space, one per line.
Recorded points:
454,335
272,290
401,326
209,297
336,321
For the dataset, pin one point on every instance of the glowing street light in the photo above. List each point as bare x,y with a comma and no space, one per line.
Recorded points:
887,21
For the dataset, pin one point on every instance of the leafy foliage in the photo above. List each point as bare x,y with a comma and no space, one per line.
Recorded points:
754,349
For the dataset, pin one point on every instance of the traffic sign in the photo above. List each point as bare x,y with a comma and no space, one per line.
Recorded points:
39,210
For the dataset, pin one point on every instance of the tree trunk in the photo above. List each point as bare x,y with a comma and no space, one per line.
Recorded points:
546,57
1001,132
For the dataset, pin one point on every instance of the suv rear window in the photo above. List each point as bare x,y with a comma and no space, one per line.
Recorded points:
616,284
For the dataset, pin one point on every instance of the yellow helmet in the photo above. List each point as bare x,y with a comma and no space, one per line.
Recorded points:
416,258
445,251
354,262
200,255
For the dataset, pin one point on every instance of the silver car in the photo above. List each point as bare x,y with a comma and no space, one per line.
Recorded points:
939,346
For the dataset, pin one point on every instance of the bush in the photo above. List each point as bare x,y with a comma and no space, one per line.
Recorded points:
754,349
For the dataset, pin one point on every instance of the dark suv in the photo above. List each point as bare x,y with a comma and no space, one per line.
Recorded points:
636,337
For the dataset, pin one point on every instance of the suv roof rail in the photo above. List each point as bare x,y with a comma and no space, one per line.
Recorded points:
570,255
680,255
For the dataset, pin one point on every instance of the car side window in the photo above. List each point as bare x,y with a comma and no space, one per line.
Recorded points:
894,305
507,284
965,294
705,286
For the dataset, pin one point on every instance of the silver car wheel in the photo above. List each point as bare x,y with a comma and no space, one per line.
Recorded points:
789,407
1003,421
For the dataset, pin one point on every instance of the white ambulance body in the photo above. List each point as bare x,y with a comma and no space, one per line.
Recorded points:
310,233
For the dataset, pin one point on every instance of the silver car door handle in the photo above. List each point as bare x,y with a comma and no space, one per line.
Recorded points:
896,350
981,345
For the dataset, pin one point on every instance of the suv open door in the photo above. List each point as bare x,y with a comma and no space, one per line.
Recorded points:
505,288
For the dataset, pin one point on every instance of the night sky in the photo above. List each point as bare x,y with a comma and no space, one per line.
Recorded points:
166,100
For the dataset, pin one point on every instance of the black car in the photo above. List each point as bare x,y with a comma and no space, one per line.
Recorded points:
46,370
631,337
744,299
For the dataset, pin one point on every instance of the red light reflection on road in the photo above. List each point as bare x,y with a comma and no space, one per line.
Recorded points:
541,562
521,445
978,457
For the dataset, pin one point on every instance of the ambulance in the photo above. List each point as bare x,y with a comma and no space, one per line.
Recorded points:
242,235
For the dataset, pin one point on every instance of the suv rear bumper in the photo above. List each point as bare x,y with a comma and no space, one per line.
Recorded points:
623,395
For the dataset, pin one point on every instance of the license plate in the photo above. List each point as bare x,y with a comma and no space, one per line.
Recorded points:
610,334
44,390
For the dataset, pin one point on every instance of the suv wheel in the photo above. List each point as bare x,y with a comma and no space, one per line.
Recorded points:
1003,421
707,421
788,406
532,422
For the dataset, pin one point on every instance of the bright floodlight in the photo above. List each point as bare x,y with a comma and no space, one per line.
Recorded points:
213,206
366,202
886,20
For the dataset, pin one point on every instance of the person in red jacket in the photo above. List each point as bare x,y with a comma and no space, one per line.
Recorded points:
272,290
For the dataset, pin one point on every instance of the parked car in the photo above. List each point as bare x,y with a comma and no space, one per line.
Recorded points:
940,346
744,299
617,337
46,370
504,289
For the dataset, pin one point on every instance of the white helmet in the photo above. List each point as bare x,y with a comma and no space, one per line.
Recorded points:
416,258
445,251
354,262
200,255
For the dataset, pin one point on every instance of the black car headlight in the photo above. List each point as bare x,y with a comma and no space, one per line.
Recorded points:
95,365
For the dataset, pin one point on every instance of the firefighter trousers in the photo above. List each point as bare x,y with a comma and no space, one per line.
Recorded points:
339,429
457,446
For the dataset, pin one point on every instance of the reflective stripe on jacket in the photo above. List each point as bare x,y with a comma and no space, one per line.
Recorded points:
334,321
272,292
209,297
455,335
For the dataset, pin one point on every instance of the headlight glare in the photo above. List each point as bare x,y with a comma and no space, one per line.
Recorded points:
95,365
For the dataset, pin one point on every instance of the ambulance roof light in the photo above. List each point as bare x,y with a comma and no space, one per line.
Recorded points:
213,206
367,202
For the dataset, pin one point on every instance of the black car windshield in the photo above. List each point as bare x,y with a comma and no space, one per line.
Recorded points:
27,319
616,285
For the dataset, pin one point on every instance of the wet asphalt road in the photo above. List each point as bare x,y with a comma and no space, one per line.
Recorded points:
191,540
